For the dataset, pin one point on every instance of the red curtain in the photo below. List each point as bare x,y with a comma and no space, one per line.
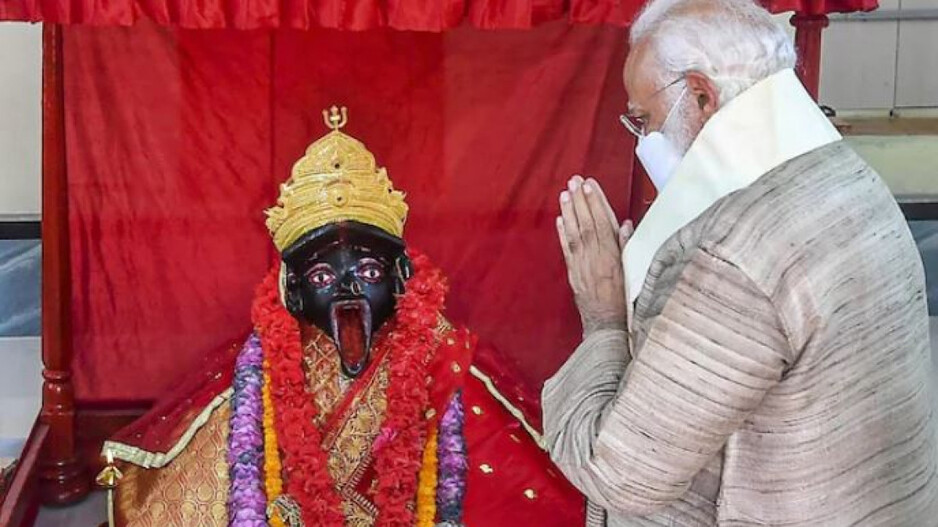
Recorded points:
421,15
177,140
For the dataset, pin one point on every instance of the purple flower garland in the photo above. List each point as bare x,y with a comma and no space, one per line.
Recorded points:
246,499
453,464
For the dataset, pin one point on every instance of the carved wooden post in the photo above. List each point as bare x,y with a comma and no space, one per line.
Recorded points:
808,29
62,477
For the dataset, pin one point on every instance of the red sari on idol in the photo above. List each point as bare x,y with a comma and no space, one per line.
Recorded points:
177,468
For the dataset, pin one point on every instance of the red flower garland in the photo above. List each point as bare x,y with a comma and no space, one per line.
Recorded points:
397,460
412,344
307,478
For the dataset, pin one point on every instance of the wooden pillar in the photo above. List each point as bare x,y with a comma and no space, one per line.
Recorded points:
808,29
62,478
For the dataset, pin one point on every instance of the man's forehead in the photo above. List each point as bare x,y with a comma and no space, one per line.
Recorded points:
638,73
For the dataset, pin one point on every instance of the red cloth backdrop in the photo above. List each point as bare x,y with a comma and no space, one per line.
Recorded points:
421,15
178,139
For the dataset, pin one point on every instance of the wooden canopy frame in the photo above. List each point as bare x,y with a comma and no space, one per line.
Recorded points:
60,457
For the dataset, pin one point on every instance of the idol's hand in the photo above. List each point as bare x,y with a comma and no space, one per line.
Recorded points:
591,243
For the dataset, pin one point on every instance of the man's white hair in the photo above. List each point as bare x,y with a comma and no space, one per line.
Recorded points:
736,43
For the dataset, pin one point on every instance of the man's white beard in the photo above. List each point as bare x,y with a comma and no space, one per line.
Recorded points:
679,129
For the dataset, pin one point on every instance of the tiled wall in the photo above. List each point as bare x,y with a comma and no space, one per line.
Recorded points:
926,235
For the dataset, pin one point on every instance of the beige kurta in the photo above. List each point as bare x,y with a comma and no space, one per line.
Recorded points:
778,371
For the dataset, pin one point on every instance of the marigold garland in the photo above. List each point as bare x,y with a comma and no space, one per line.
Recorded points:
397,460
426,491
273,481
307,479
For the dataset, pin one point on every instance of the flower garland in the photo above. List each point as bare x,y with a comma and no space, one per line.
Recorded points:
246,499
307,479
426,491
397,457
412,344
273,481
453,463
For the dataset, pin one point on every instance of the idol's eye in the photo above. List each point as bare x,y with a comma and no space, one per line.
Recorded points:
370,270
321,276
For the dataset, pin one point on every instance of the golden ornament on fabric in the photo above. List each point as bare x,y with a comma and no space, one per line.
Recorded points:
336,180
287,509
110,475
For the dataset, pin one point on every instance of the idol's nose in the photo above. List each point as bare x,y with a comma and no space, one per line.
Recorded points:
351,286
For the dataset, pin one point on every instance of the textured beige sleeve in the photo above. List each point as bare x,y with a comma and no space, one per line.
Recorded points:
573,402
708,360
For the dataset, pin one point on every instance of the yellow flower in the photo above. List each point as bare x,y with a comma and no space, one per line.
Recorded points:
426,489
273,481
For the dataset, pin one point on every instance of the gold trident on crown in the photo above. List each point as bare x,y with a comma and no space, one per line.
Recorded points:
334,119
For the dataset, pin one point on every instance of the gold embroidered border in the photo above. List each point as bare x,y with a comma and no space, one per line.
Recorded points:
512,409
147,459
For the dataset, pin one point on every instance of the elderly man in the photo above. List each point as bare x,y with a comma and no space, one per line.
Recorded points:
768,363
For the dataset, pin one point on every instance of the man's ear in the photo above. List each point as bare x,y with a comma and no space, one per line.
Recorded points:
704,93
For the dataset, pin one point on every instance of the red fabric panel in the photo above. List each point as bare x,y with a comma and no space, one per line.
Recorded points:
417,15
178,139
168,142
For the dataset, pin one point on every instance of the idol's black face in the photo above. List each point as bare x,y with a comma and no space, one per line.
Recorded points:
344,279
348,293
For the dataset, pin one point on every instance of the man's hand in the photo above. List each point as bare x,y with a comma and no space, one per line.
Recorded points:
592,246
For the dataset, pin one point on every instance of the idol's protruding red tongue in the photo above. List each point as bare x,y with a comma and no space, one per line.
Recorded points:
351,332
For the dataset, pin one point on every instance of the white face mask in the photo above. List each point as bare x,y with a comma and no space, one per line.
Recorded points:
658,154
659,157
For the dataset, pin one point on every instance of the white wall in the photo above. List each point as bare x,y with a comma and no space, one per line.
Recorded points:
20,114
20,140
20,389
917,68
881,64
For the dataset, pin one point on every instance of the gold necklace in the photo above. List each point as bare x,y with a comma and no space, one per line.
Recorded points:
324,378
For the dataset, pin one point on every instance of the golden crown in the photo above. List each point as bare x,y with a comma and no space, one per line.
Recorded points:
336,180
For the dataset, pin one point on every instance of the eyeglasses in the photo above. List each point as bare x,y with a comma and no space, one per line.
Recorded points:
637,125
